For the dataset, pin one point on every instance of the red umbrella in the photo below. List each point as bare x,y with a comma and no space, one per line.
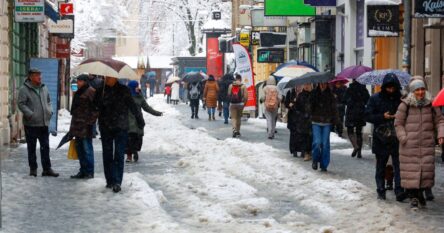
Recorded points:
339,79
439,99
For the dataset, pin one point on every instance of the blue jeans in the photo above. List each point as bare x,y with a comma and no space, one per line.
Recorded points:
321,145
152,88
33,134
211,111
226,107
85,153
114,145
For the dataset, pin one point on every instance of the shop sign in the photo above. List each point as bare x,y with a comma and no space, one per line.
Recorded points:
429,8
270,55
320,2
383,21
288,8
66,8
244,39
29,11
255,38
65,26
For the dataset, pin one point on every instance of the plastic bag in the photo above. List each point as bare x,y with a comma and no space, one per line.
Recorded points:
72,151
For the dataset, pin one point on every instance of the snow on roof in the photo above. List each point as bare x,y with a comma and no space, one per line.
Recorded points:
215,25
383,2
160,62
132,61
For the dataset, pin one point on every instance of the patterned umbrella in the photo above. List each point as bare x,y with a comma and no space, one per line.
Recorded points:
376,77
106,67
353,72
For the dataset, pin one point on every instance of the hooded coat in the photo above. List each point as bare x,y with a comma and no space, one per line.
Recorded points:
377,105
415,128
211,93
355,98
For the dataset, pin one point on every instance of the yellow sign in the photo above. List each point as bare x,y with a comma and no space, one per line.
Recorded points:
245,39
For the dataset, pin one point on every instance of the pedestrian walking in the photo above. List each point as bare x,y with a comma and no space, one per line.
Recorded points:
338,91
35,104
324,114
272,101
238,96
299,122
380,111
168,93
115,103
224,84
194,94
202,86
152,82
175,88
355,99
416,123
210,94
135,134
143,84
84,114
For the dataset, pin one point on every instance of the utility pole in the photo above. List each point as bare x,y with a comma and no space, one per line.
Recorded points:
406,58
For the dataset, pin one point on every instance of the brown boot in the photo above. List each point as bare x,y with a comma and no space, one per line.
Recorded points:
129,158
50,172
307,157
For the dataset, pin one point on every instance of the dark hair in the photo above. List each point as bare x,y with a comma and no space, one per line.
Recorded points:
211,78
238,77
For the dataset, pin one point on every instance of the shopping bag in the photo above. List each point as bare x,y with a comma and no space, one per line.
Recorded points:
72,151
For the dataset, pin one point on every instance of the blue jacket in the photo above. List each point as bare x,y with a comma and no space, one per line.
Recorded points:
379,104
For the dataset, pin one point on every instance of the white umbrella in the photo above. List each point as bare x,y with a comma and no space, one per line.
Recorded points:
106,67
172,79
293,71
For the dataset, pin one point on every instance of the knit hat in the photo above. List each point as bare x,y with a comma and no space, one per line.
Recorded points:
416,84
83,77
132,85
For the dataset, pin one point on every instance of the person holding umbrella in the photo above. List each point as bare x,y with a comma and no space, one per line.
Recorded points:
84,115
355,98
324,114
416,123
338,91
115,103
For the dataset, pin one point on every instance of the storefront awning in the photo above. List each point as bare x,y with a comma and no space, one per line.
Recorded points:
51,11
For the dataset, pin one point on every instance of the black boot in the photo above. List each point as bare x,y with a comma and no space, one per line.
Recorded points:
78,176
381,194
50,172
314,165
359,155
355,151
295,154
33,172
136,157
359,144
428,194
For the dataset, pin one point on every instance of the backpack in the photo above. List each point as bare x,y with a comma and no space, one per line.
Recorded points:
271,100
194,92
236,94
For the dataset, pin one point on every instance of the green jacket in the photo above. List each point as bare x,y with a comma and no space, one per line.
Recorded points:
141,104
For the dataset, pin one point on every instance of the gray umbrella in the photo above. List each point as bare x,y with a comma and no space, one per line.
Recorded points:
314,77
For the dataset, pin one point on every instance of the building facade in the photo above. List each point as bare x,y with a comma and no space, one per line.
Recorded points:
4,73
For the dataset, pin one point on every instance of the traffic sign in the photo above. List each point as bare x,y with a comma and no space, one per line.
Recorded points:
66,9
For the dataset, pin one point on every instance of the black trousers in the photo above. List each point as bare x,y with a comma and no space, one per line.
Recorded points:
381,163
194,104
33,134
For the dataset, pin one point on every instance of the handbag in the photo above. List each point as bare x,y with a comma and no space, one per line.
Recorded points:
72,151
386,133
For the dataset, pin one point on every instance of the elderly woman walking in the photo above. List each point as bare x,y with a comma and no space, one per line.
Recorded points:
416,122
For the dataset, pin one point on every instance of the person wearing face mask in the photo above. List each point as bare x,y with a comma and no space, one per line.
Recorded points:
324,114
380,111
416,122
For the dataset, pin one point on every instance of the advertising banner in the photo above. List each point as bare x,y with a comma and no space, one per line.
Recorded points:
244,67
320,2
29,11
429,8
215,59
383,21
288,8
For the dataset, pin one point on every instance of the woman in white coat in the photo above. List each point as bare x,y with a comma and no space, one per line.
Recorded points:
175,93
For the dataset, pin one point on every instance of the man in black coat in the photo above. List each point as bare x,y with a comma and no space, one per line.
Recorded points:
338,91
114,102
380,110
224,83
356,97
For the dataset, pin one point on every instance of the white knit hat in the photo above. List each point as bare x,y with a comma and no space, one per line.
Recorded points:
416,84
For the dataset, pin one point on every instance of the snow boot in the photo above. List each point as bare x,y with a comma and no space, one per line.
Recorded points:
359,154
50,172
359,145
136,157
33,172
429,195
307,157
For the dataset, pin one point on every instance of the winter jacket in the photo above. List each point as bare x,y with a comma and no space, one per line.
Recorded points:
243,91
355,98
323,107
141,104
211,93
114,104
377,105
415,129
298,114
224,83
339,94
199,88
84,113
35,104
175,91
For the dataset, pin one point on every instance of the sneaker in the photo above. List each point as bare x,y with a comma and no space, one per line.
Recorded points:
414,203
116,188
89,176
314,165
33,172
50,172
136,157
78,176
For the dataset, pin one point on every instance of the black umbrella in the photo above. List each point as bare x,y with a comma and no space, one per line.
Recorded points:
68,137
314,77
193,77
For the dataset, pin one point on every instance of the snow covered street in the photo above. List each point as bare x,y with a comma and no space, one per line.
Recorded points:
193,177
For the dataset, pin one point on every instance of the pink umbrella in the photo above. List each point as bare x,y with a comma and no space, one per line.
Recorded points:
339,79
439,99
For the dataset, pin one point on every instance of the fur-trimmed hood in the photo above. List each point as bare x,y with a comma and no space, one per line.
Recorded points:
411,100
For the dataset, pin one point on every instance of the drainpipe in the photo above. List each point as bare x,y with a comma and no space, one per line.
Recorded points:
406,58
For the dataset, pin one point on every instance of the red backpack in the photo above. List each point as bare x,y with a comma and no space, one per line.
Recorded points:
236,94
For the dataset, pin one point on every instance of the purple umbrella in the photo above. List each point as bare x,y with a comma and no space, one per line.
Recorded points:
353,72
